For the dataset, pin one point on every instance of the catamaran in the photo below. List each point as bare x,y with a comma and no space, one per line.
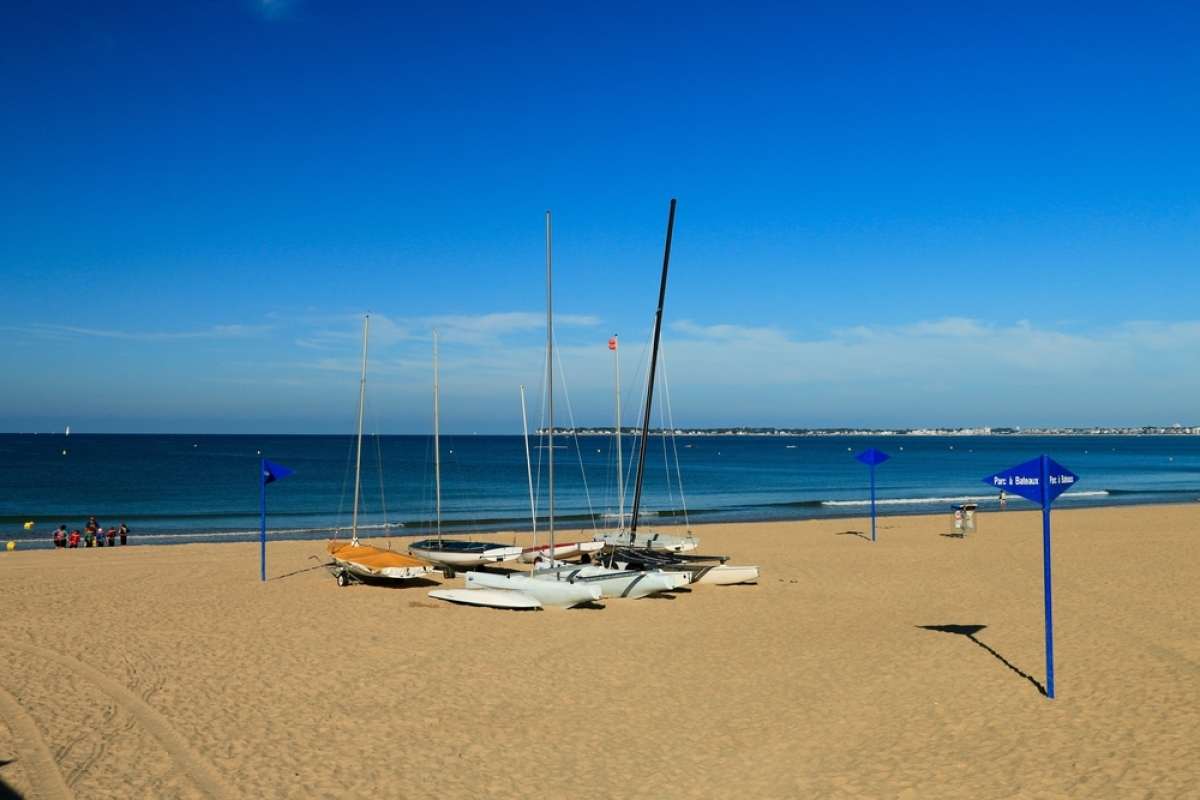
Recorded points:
452,554
629,538
560,594
611,582
657,551
354,558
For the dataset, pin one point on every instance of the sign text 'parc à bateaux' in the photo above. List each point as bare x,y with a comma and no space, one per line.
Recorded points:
1025,480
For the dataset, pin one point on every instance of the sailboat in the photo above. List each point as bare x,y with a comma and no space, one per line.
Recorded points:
656,551
450,554
354,558
561,594
629,538
611,582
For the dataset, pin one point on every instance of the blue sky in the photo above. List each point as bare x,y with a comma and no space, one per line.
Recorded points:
889,214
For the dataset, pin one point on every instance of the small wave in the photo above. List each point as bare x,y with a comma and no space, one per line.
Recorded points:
1124,492
915,501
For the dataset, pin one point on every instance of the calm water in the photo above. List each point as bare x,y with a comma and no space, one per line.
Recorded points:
189,488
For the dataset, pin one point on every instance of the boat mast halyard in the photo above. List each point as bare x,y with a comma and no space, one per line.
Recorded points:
437,452
528,465
662,293
362,392
550,390
616,348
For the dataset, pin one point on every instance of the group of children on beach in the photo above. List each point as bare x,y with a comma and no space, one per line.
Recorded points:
93,536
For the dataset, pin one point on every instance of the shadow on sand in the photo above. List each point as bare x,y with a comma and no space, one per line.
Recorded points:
6,791
853,533
969,632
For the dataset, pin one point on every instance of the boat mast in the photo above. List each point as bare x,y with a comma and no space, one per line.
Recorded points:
437,452
616,348
550,387
362,391
662,293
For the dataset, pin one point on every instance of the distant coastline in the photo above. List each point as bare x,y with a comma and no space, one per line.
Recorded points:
1148,430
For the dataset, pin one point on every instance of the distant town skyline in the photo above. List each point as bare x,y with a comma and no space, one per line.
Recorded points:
918,216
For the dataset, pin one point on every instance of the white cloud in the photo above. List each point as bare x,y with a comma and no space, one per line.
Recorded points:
212,332
948,371
928,349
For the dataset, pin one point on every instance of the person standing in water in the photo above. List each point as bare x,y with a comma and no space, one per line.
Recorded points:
124,533
1003,500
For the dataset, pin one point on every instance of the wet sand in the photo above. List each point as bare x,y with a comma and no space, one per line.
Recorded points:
911,667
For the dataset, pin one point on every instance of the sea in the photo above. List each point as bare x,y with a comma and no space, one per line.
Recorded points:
189,488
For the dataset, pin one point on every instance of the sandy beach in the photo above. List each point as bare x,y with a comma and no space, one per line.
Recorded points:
911,667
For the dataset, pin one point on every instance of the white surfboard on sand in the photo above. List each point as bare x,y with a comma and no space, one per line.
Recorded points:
492,598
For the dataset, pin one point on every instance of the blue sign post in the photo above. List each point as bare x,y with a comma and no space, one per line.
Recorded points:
270,474
871,458
1040,480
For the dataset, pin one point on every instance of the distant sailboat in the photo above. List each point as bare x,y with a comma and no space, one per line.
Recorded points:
359,560
68,433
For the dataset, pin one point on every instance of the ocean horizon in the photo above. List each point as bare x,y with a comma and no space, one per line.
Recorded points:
175,488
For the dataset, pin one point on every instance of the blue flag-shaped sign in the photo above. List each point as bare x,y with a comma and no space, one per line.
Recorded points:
1025,480
274,472
872,457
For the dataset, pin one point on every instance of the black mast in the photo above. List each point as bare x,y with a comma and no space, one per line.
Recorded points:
662,294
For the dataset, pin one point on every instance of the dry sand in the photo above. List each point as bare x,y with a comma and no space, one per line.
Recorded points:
174,672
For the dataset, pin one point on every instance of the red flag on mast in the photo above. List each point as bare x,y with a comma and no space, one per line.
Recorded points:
612,344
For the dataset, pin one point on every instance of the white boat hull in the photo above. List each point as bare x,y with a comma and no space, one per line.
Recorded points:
616,582
391,573
723,574
561,551
492,598
662,542
555,594
447,558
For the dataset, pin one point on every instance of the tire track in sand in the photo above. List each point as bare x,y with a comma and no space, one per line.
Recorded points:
40,768
193,764
98,751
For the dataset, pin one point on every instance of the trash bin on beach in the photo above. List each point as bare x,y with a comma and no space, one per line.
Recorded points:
964,517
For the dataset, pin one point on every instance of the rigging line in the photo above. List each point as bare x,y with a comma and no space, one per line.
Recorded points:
674,440
562,375
662,423
387,531
345,484
639,379
635,442
528,464
540,415
427,487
